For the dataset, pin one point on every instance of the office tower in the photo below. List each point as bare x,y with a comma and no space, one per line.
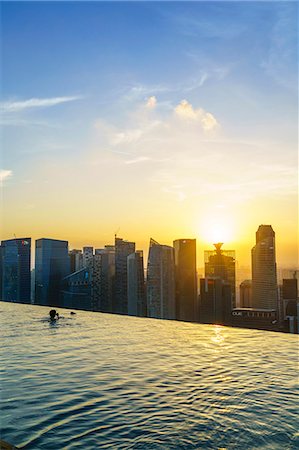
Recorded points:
87,256
76,290
96,281
185,279
215,301
246,294
76,260
136,285
160,281
16,275
107,278
51,266
264,278
122,250
221,264
290,304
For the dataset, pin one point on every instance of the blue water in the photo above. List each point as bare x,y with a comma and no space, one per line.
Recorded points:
97,380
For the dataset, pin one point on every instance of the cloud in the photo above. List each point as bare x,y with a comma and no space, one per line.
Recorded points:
17,106
5,174
151,102
185,110
139,159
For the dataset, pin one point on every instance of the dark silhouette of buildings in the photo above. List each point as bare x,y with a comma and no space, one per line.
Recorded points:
185,279
106,278
215,301
122,250
76,260
51,266
76,290
264,277
15,274
221,264
160,281
136,285
246,294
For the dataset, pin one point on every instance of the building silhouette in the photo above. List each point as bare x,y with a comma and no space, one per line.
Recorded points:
51,266
106,278
76,260
136,285
76,290
122,250
246,294
87,257
215,301
160,282
221,264
264,276
16,271
185,279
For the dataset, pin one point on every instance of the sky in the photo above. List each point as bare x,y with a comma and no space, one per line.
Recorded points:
150,119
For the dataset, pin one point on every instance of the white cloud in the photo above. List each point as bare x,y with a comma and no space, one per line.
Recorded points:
4,174
151,102
17,106
139,159
185,110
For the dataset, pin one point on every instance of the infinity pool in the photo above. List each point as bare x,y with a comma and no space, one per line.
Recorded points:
95,380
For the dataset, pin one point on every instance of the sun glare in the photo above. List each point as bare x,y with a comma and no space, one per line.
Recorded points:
215,230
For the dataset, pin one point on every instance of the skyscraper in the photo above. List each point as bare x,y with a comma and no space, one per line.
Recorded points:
136,286
160,281
246,294
221,264
16,275
185,279
215,301
107,278
264,277
122,250
51,266
87,257
76,260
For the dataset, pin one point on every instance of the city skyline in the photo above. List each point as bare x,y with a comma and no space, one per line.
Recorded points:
190,130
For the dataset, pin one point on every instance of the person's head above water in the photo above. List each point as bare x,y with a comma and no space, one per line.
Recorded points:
53,313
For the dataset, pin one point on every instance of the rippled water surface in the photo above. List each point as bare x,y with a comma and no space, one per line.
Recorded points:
97,380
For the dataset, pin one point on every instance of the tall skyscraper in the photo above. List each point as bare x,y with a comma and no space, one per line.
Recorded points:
246,294
16,275
76,260
107,278
185,279
122,250
76,290
87,257
51,266
215,301
160,282
136,286
264,277
221,264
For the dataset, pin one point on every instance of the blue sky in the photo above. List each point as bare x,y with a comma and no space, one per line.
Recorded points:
90,89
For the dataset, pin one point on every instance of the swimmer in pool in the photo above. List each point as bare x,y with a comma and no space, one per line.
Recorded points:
54,314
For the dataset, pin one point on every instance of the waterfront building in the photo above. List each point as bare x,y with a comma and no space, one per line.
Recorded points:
264,277
87,257
246,294
259,318
289,298
185,279
107,278
222,264
51,266
136,285
16,275
76,290
160,281
76,260
215,301
122,250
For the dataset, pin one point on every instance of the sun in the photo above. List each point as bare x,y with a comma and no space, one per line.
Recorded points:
217,229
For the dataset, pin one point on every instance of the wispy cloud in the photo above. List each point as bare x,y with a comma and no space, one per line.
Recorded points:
13,106
186,111
137,160
4,175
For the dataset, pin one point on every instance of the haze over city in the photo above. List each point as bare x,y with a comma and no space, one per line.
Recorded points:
150,121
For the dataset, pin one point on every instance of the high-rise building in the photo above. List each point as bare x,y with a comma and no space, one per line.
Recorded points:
107,278
87,257
136,286
76,290
76,260
264,277
160,282
185,279
215,301
51,266
246,294
122,250
16,275
221,264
